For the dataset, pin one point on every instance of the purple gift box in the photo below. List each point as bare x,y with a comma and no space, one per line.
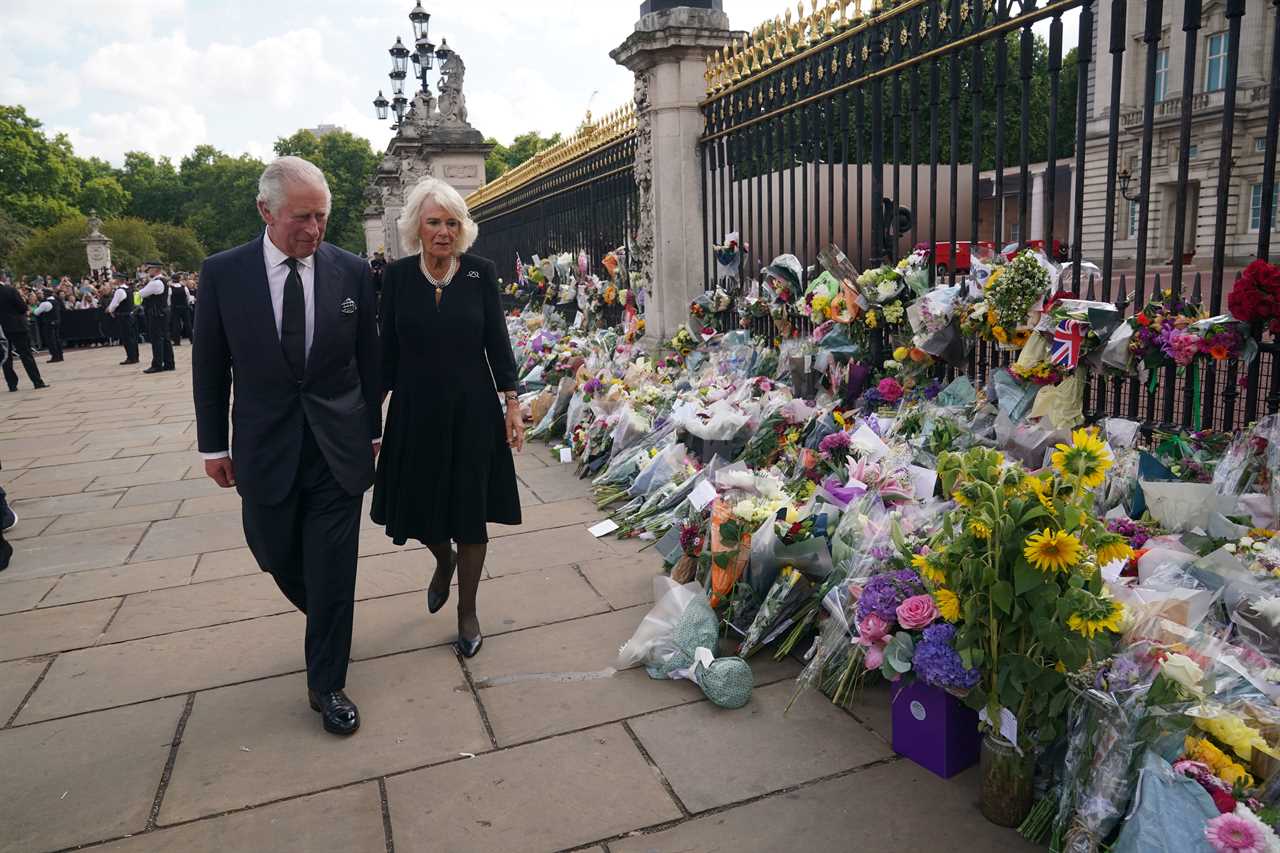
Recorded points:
935,729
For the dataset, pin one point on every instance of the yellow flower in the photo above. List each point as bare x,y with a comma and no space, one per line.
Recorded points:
1234,774
948,603
1052,551
1112,550
1261,533
1040,489
1202,750
927,571
1085,458
870,320
901,354
959,498
979,530
1087,625
1000,334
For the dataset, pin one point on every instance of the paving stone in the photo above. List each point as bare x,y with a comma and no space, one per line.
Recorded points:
174,489
167,445
525,552
176,537
401,622
546,516
18,595
56,554
557,679
66,504
503,801
348,820
873,707
92,454
394,574
55,629
373,540
113,517
526,496
556,483
744,747
84,778
415,709
624,580
182,608
45,490
16,678
28,528
834,815
231,563
80,469
121,580
225,501
106,676
533,458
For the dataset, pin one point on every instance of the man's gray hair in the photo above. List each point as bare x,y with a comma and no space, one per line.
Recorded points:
280,173
410,222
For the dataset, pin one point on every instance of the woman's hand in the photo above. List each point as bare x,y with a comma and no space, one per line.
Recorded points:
515,426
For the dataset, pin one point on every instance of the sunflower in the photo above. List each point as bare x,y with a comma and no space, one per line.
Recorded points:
927,571
1105,618
1054,551
948,603
1112,549
1086,458
979,530
1040,489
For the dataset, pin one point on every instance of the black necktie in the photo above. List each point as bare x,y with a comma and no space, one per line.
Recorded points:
293,321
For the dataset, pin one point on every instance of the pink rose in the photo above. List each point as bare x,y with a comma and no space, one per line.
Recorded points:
917,612
873,633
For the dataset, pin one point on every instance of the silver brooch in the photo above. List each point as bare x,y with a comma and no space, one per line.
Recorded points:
473,274
348,306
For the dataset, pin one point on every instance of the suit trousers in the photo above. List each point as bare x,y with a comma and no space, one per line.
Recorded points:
308,543
161,346
128,326
51,335
20,345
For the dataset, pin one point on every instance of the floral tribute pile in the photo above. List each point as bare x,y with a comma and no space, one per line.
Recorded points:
1106,598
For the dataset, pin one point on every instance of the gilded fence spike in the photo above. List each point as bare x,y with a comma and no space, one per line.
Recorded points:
828,29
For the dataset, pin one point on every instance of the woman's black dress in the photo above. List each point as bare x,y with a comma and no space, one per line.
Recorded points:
445,468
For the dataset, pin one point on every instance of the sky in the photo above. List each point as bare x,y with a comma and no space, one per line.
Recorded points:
163,76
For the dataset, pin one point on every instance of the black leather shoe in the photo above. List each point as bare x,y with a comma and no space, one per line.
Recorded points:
435,602
154,370
338,713
42,386
129,361
469,648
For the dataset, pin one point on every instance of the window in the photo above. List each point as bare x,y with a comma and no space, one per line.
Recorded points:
1193,151
1255,207
1133,219
1015,232
1162,75
1260,145
1215,68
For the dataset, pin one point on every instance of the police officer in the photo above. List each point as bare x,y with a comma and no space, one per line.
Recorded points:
121,310
49,316
13,319
155,307
179,310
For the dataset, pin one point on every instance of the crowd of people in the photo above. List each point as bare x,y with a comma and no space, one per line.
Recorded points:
150,302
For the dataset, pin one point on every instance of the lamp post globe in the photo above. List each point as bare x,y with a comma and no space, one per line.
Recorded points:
421,20
380,104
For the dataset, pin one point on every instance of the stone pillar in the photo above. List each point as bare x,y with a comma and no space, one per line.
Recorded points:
667,53
1035,228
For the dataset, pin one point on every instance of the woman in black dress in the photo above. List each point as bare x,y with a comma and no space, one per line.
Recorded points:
446,469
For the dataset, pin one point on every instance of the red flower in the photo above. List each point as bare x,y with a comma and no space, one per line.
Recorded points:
1223,800
1255,298
1143,319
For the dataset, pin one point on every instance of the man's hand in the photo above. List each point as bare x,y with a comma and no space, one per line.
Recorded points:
221,471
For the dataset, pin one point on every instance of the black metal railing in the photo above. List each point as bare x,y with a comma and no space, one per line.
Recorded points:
578,196
956,124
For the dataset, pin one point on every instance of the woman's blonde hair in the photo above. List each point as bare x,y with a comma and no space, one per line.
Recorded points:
410,221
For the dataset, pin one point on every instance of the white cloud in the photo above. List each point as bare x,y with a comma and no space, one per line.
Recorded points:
167,131
38,87
53,24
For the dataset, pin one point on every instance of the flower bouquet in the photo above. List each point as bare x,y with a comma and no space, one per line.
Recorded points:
1011,296
1255,297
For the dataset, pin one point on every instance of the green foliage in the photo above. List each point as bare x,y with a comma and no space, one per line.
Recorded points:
103,195
348,163
131,242
505,157
55,250
39,177
156,191
178,245
12,235
222,191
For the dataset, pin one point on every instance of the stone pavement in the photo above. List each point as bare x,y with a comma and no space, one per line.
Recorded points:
152,696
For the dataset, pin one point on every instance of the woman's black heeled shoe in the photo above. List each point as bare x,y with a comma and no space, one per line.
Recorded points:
434,601
469,648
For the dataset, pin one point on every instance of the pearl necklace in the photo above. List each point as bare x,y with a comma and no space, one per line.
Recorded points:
441,283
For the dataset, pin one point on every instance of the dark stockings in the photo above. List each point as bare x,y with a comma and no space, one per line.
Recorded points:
470,566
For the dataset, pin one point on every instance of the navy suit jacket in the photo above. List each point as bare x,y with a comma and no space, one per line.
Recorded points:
237,348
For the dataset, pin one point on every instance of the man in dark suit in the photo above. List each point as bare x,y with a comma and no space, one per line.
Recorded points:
14,313
288,321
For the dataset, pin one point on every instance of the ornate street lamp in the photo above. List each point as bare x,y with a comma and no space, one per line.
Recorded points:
444,52
1125,178
398,106
399,62
380,104
422,56
420,18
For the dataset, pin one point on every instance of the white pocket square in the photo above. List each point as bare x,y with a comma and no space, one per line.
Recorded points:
473,274
348,306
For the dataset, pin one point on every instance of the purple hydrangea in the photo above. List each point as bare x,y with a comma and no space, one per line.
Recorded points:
883,593
938,664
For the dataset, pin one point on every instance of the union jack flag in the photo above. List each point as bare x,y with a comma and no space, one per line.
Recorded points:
519,269
1068,340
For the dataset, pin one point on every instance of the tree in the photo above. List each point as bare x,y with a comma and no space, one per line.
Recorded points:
39,177
348,162
12,235
178,245
131,242
221,197
55,250
156,191
103,195
505,157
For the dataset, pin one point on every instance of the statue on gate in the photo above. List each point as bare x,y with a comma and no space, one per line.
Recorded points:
453,104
